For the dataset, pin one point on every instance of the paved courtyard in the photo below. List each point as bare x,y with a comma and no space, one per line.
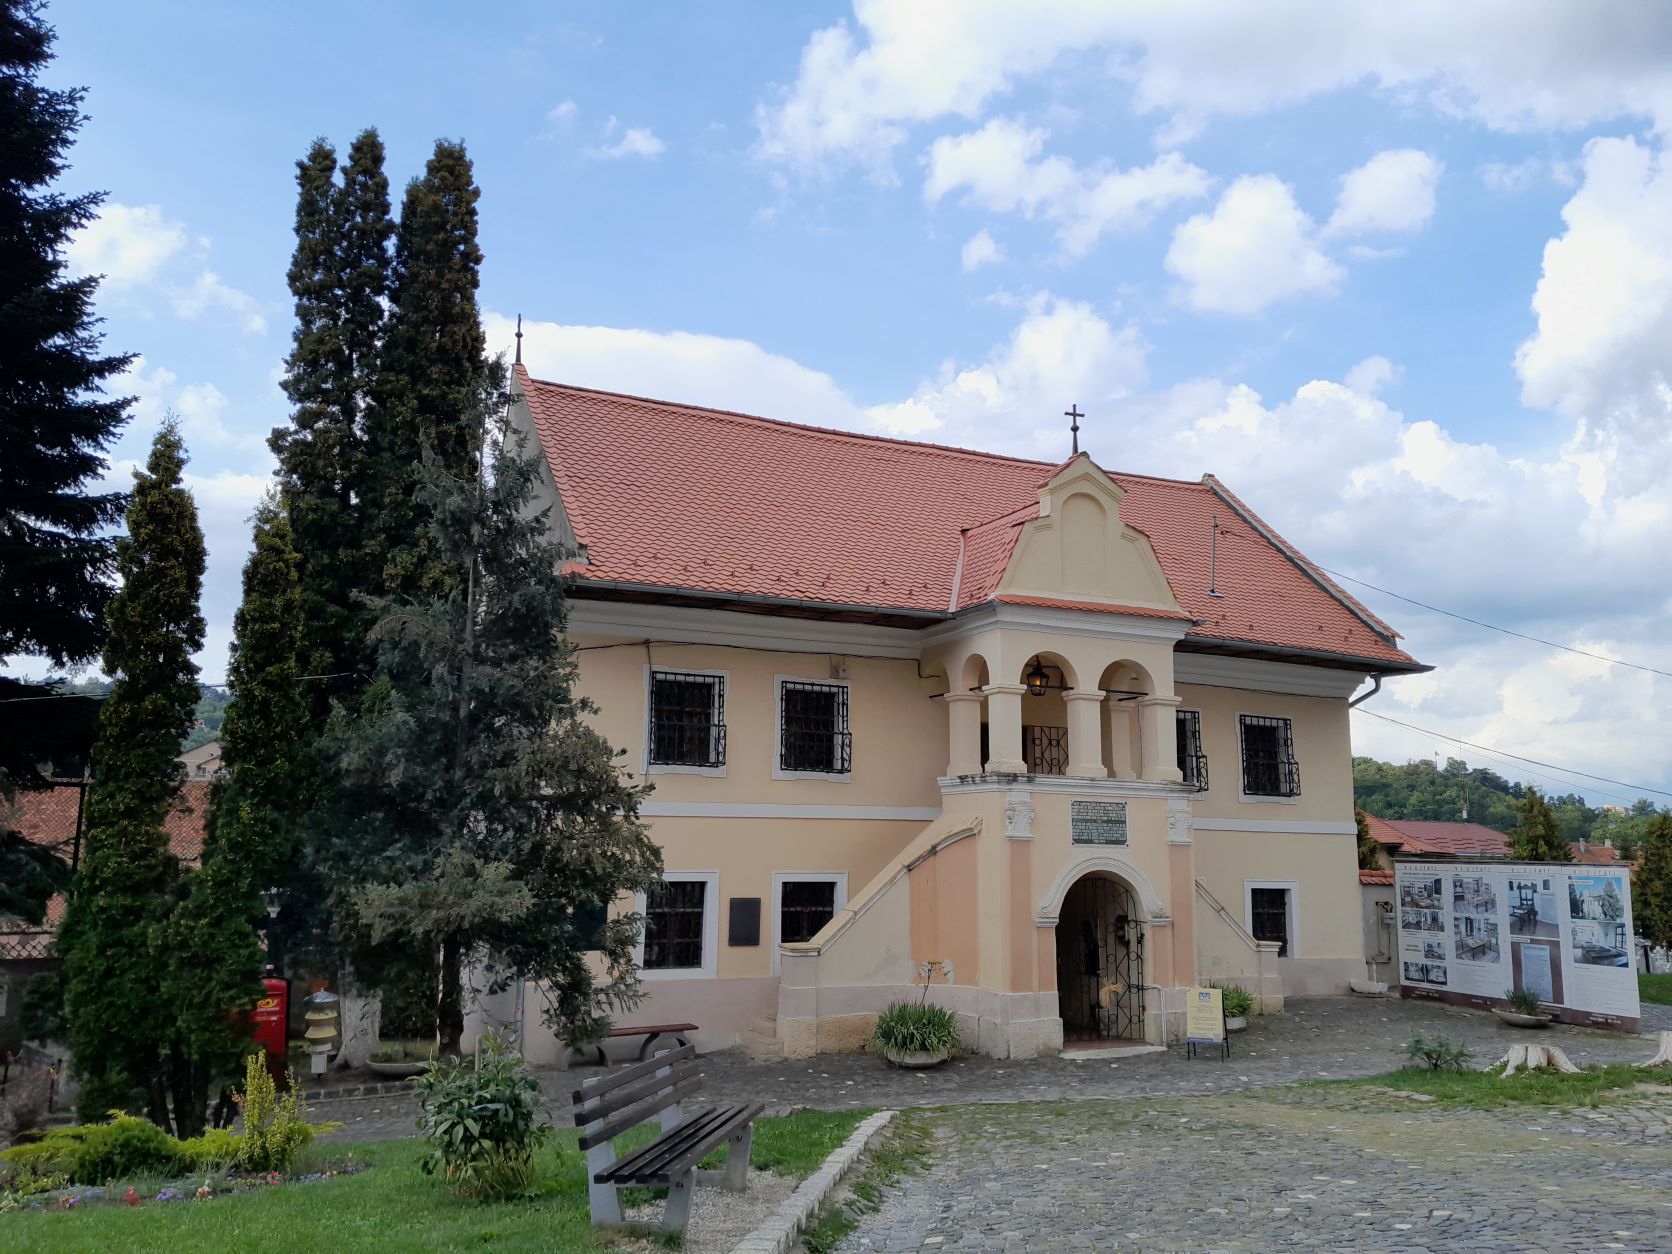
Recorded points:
1318,1038
1332,1169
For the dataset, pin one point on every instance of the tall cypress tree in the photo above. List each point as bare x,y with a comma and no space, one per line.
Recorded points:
1536,837
118,1025
55,428
431,372
213,960
490,817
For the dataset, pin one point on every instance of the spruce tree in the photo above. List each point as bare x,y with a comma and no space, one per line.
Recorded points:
1651,890
431,370
213,960
490,818
1369,850
1536,837
119,1025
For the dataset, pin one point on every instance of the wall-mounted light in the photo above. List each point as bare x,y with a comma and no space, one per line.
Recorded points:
1036,679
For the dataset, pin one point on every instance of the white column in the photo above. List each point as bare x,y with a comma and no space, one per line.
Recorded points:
1004,729
1085,734
1158,739
963,712
1119,732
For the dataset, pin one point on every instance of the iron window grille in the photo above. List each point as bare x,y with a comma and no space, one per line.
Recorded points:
813,728
1045,750
1269,768
804,906
673,925
687,719
1269,908
1193,763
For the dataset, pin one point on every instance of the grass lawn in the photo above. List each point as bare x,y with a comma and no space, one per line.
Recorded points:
391,1207
1655,988
1480,1090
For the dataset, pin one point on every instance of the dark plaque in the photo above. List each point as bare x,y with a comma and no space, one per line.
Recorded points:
743,928
1097,822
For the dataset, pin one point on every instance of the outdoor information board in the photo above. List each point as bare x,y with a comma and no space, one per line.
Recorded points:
1204,1020
1470,932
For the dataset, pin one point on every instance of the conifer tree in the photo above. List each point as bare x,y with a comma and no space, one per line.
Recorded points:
431,371
1536,837
1369,850
213,961
118,1024
490,818
1651,889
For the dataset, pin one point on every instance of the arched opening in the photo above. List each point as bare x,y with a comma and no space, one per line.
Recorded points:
1047,676
1100,961
1124,682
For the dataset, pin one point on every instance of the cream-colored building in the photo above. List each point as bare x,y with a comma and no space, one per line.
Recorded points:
1079,737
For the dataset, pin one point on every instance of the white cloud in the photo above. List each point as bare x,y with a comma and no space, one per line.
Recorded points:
860,87
562,114
127,244
1000,168
200,407
1255,248
981,249
1393,191
207,295
635,141
1512,178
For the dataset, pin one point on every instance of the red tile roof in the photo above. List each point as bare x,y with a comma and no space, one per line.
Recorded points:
1426,836
680,498
1384,878
1383,832
1594,855
47,816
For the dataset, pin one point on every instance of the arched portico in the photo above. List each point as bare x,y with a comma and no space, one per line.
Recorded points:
1101,938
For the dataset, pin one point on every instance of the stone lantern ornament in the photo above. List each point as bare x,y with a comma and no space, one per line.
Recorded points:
323,1015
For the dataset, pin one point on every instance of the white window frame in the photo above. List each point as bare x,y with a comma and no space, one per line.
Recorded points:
710,929
780,878
778,771
1244,796
675,768
1293,888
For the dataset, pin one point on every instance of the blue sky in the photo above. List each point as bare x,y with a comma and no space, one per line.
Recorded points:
1403,282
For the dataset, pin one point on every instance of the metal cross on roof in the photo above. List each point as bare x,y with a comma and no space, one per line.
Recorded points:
1073,412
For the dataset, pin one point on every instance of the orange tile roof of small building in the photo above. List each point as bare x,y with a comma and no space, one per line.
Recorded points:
1466,839
47,816
1383,878
681,499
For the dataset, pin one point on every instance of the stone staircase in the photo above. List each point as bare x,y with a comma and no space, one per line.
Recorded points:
760,1040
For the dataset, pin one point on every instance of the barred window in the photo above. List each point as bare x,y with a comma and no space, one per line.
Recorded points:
673,925
1269,768
1268,910
687,719
1045,749
1193,763
804,906
813,728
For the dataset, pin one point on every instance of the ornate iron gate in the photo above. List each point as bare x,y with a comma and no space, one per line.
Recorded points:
1100,962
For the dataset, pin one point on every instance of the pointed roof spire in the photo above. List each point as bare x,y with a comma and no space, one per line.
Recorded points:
1073,413
519,340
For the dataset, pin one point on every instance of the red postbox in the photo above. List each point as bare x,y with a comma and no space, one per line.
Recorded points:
272,1018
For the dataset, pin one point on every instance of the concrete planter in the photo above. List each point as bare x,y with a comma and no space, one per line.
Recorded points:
1236,1023
1515,1019
915,1059
398,1070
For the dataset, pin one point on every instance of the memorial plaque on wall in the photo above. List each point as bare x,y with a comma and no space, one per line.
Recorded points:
1097,822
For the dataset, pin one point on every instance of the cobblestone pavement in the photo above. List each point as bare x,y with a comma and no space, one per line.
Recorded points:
1297,1168
1317,1038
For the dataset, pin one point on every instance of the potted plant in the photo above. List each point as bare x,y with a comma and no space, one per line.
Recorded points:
401,1060
1239,1004
1523,1011
917,1034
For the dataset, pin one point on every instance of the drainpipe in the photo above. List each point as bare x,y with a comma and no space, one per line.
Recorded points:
1375,687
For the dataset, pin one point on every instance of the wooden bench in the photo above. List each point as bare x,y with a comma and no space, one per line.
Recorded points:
608,1105
651,1036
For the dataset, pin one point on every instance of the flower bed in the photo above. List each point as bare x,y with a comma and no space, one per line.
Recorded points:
45,1195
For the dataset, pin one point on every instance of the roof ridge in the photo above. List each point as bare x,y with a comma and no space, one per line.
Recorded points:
737,415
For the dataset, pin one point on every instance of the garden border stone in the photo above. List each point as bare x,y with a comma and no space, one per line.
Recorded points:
785,1224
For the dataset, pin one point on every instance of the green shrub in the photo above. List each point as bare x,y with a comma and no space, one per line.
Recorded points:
53,1155
216,1150
126,1146
479,1116
276,1129
1239,1002
918,1028
1522,1002
1437,1052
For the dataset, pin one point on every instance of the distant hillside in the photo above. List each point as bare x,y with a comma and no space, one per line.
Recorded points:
211,708
1416,790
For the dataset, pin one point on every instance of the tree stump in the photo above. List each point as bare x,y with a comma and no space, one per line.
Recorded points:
1664,1057
1537,1058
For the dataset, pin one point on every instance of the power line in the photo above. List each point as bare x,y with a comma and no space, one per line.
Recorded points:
1550,766
1519,635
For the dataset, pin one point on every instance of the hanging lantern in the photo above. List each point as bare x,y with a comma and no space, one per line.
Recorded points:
1037,679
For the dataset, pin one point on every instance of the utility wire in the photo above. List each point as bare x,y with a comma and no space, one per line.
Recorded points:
1519,635
1602,779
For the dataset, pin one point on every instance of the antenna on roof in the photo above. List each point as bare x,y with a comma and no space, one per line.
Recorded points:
1073,411
1213,559
519,340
